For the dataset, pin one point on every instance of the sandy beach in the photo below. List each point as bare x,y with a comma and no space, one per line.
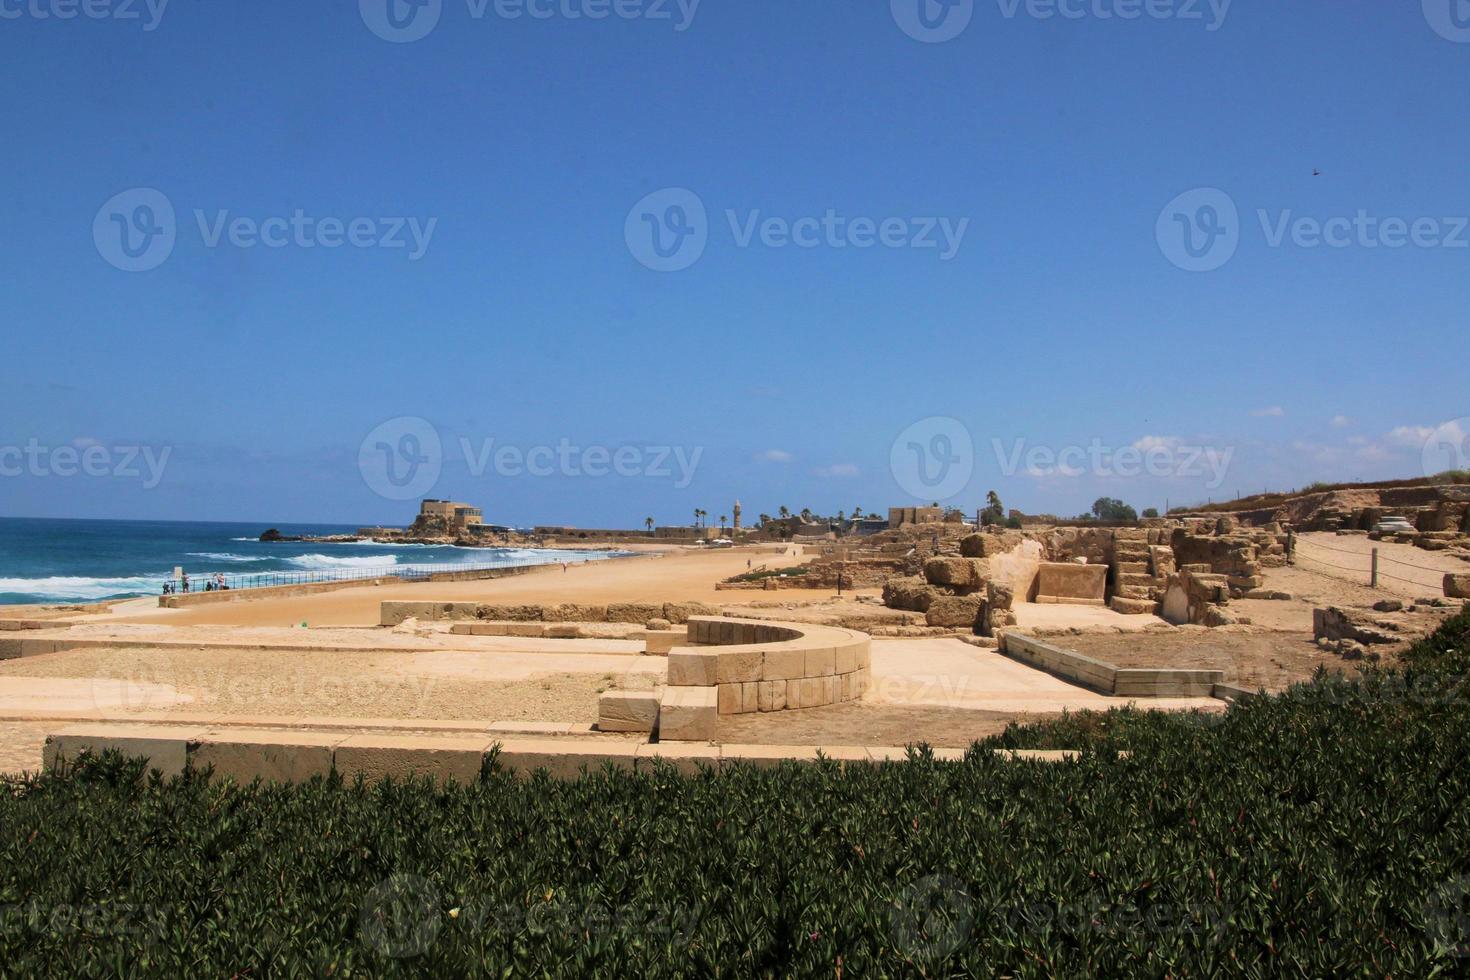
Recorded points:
654,575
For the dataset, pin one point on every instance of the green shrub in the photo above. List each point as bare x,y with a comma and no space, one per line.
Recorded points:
1323,832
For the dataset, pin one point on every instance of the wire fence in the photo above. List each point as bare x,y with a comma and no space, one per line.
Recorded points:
1372,570
214,581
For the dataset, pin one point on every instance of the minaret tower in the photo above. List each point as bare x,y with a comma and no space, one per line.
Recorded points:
737,515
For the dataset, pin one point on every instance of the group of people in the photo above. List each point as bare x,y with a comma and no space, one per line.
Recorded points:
212,583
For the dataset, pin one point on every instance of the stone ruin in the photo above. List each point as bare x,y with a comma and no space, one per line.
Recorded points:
1186,570
1440,514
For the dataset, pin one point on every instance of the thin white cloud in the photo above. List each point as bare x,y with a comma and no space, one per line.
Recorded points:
774,456
1270,412
1411,436
1148,443
1340,422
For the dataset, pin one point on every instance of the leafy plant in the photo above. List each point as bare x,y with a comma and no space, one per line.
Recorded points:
1321,832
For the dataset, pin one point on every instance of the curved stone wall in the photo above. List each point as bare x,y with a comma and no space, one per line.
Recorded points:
766,666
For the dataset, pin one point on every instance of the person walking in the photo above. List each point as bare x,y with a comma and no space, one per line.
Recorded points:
184,578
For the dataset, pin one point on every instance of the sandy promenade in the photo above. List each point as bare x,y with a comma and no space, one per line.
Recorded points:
673,576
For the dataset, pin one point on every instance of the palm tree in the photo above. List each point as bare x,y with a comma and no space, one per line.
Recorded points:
857,513
648,523
806,514
785,512
696,517
723,519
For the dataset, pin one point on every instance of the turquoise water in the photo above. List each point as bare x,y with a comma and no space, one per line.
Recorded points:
43,560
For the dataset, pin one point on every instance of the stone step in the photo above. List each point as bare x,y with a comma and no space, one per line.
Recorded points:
1133,607
1137,592
1132,568
1139,580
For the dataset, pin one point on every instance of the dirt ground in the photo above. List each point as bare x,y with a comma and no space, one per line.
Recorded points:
447,685
1256,660
20,746
1404,571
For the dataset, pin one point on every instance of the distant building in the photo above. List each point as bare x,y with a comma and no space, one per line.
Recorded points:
459,516
899,516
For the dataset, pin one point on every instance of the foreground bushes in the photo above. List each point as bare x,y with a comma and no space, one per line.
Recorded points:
1324,832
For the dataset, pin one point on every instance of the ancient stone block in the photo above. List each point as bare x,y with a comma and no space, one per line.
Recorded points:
244,755
377,757
1133,607
574,612
679,613
627,711
999,595
953,572
771,696
693,668
739,666
819,663
956,612
1457,585
634,612
731,701
909,593
1068,582
689,714
508,613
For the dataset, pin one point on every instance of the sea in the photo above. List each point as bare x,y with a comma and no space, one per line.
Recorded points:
72,561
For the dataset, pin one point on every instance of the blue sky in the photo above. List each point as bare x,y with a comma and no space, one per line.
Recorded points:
528,152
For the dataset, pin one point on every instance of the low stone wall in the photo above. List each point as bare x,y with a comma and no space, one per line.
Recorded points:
187,599
394,612
655,642
1122,682
274,755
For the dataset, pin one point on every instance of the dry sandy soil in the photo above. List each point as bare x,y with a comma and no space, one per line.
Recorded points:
447,684
1256,660
680,575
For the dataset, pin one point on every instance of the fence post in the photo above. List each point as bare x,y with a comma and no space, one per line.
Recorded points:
1374,583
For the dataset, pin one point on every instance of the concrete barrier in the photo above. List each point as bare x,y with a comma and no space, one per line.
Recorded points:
1106,678
244,755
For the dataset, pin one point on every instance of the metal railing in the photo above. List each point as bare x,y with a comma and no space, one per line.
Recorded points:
212,581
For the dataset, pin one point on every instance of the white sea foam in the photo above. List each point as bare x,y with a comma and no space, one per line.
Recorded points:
331,561
225,556
65,588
